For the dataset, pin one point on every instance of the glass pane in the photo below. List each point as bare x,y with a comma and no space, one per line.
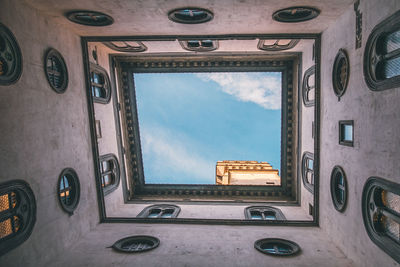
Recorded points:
347,130
311,95
5,228
154,213
388,69
284,41
105,165
207,43
269,215
311,81
284,249
4,203
391,42
390,200
391,227
107,179
167,213
269,247
119,44
255,215
270,42
193,43
310,164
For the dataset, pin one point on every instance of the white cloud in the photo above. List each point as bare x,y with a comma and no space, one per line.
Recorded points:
170,153
249,87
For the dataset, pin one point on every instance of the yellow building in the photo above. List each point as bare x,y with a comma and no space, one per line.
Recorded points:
242,172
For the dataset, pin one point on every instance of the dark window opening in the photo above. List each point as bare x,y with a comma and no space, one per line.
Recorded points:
295,14
381,214
277,247
17,214
190,15
135,244
199,45
110,173
90,18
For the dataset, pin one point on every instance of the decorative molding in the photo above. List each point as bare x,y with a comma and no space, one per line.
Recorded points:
358,24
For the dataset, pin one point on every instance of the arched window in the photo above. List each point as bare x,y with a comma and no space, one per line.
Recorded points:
307,171
110,173
382,55
381,214
100,84
160,211
263,213
17,214
308,87
277,44
199,45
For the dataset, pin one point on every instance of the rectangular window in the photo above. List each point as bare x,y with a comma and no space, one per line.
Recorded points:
346,134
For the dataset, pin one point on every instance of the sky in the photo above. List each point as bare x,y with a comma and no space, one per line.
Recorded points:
189,121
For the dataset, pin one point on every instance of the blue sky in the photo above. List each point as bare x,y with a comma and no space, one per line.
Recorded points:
189,121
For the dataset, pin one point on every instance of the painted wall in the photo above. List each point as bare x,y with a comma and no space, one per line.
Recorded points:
43,132
376,134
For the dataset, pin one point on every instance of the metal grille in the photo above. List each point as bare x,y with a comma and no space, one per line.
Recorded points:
4,203
5,228
3,67
54,71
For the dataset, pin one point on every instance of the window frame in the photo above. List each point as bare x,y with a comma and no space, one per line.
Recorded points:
305,88
115,171
386,27
11,42
342,140
54,54
382,240
277,47
340,207
27,211
193,63
162,207
305,170
294,246
94,68
200,48
279,216
340,59
77,190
